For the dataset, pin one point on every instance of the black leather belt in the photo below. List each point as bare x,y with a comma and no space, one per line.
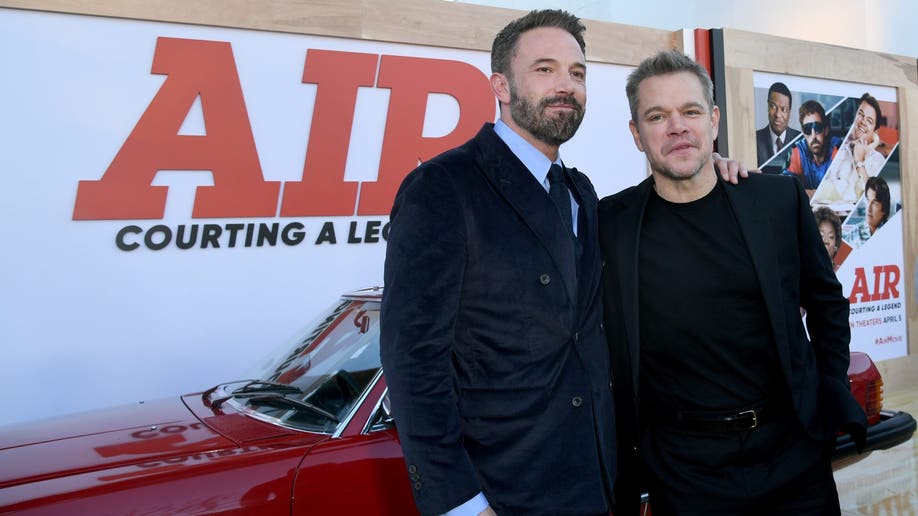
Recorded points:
738,421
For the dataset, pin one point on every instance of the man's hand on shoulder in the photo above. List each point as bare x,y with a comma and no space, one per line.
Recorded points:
487,512
730,170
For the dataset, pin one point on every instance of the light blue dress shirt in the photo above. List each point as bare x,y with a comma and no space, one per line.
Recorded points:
534,160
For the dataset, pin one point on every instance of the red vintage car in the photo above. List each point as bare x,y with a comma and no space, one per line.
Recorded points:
308,433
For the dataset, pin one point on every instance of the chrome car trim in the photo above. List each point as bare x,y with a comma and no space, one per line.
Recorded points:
367,428
357,404
244,409
364,294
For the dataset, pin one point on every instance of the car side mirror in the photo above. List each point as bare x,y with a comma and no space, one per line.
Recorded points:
383,419
385,411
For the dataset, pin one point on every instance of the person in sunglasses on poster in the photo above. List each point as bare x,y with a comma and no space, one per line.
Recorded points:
810,157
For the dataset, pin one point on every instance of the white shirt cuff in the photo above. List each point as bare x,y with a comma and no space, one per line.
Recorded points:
472,507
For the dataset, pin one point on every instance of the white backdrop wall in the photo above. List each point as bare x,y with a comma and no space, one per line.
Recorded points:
86,324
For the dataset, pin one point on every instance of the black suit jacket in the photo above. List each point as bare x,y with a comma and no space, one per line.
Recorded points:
497,367
793,270
764,142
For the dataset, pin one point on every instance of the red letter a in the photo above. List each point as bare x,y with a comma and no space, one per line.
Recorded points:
193,68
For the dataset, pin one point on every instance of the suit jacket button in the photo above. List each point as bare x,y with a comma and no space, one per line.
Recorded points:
577,401
545,279
418,485
412,469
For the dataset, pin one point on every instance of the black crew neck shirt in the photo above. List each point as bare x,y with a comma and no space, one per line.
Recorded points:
706,342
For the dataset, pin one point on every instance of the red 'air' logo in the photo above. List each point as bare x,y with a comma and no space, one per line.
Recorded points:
885,284
208,69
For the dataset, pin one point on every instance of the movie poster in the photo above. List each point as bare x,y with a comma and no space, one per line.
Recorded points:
841,141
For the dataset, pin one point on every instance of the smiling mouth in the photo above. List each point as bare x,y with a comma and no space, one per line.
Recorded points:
562,103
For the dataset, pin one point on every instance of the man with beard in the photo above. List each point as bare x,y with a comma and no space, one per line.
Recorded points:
723,400
495,359
811,157
497,368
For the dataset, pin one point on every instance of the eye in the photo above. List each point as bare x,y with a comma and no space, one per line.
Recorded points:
544,69
579,75
656,117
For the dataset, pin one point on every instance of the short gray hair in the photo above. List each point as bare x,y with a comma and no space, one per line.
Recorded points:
664,63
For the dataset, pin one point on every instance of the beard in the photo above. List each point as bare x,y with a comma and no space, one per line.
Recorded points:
550,130
816,149
677,176
660,166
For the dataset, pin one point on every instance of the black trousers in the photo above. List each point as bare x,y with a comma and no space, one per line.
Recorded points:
774,469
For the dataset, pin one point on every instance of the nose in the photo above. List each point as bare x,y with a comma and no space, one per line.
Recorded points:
565,83
676,124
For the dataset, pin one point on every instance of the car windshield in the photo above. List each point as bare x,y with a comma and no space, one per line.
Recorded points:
316,381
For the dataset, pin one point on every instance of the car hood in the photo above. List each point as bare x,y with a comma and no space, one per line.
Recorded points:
103,439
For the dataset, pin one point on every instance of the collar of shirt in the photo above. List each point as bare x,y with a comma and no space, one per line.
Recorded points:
782,136
532,158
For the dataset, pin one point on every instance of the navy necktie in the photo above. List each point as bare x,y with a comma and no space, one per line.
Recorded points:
560,195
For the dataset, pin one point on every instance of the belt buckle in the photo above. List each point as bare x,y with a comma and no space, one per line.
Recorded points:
755,418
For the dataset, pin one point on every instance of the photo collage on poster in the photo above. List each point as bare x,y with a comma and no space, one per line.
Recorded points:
843,149
841,141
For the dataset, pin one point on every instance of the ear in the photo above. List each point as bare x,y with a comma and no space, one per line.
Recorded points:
715,121
500,86
636,135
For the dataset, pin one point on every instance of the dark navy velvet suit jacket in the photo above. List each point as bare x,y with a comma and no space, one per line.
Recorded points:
495,358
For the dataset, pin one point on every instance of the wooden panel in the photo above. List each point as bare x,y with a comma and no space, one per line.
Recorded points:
790,56
413,21
908,155
739,123
900,374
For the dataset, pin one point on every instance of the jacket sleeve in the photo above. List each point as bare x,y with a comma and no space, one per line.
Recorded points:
827,323
425,262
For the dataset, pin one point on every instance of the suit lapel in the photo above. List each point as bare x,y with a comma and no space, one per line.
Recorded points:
531,202
628,234
758,236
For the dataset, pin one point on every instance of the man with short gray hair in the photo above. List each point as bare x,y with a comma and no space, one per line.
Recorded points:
721,397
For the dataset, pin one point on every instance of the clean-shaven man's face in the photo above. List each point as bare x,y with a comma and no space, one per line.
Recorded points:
675,126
